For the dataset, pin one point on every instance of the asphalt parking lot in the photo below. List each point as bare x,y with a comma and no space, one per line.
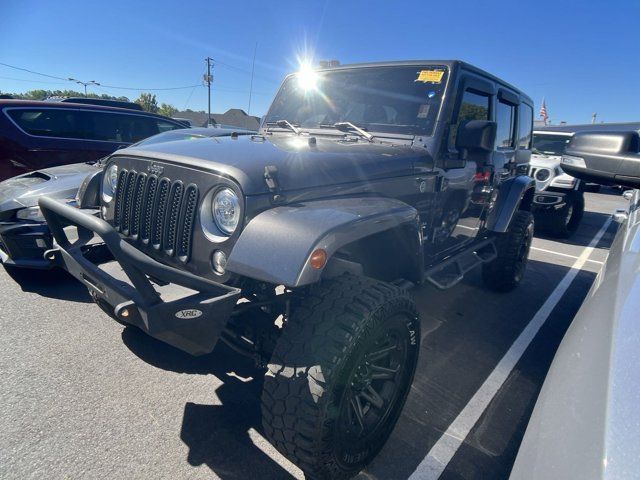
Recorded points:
83,397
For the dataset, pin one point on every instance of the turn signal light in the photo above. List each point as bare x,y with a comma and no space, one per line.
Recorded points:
318,258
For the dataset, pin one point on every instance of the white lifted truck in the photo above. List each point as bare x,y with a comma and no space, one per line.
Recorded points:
558,204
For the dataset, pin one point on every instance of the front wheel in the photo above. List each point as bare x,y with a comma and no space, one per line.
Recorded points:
340,374
565,221
506,272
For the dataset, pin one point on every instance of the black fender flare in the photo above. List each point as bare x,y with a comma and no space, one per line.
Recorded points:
276,245
513,194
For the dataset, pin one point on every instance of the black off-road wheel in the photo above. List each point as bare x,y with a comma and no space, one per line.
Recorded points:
340,374
506,272
564,222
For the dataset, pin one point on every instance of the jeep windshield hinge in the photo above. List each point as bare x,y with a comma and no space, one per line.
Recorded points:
271,179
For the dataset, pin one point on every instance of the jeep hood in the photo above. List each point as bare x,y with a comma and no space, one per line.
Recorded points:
56,182
300,164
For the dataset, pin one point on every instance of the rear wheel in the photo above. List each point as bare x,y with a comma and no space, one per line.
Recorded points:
340,374
506,272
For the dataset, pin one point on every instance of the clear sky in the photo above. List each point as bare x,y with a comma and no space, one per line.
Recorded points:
581,56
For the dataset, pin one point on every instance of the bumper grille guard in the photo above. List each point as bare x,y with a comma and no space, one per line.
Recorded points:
197,310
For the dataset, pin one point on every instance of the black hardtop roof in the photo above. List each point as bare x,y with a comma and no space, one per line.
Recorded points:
586,127
452,64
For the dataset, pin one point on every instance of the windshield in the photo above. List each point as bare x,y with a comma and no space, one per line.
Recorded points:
550,144
393,99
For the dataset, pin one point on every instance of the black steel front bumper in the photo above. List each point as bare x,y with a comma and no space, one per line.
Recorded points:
171,305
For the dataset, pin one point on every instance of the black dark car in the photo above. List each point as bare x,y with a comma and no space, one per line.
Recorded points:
297,246
36,135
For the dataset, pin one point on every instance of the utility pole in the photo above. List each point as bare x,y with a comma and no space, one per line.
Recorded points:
253,67
80,82
208,78
593,117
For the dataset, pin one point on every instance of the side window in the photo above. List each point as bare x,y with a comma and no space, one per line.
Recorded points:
474,106
48,122
505,120
525,126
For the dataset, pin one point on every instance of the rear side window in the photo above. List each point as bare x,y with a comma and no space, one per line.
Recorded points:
47,122
505,120
474,106
525,126
88,124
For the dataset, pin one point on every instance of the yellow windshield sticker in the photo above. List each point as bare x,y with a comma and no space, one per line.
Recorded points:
430,76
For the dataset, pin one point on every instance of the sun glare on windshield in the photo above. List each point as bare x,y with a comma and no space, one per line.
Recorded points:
307,77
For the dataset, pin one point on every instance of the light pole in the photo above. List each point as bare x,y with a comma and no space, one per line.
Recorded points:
208,78
80,82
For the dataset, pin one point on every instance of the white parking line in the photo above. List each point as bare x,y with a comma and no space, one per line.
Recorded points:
538,249
448,444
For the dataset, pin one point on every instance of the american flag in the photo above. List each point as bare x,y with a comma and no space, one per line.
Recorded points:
543,112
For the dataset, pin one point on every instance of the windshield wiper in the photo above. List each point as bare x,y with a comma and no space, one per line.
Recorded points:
350,127
285,124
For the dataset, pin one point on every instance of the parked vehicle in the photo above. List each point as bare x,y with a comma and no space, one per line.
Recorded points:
35,135
558,205
24,235
297,246
585,421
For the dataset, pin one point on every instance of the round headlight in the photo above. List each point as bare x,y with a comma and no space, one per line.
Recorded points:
109,182
226,210
543,174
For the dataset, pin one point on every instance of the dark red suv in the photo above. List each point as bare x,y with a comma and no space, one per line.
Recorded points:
36,135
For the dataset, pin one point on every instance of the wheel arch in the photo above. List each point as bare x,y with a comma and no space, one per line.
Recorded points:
513,195
276,245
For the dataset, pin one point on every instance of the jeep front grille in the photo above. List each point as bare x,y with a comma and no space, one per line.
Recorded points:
156,212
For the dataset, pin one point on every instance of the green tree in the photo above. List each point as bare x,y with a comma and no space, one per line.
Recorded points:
148,102
167,110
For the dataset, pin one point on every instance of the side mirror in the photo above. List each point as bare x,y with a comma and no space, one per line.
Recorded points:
476,139
607,158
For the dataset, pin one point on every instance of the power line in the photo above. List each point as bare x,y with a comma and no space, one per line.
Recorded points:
151,89
31,71
107,86
33,81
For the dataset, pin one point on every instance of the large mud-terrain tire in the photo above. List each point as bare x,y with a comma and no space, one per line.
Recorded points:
506,272
565,221
340,374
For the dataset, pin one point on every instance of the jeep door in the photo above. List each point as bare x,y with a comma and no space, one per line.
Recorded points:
458,219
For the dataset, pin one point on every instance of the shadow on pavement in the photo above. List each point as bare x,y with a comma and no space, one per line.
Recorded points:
55,283
217,435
